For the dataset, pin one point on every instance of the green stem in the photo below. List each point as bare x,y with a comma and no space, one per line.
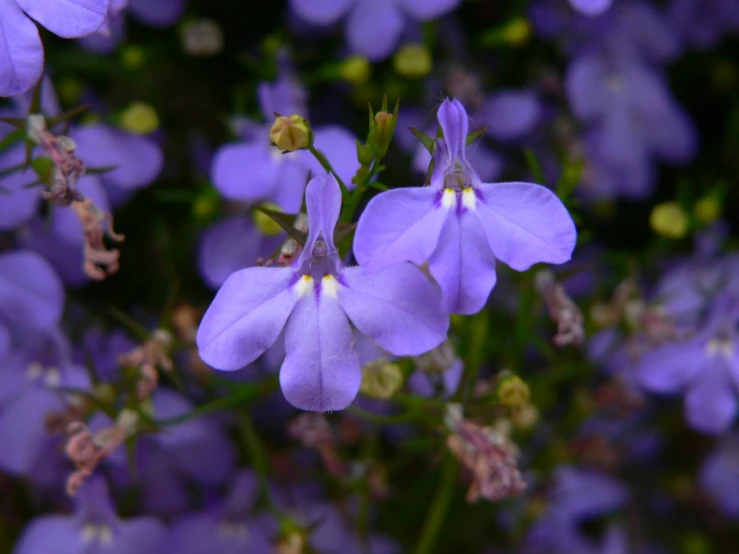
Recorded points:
478,332
325,164
435,520
256,452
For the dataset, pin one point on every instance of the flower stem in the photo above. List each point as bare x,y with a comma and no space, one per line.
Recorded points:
256,452
435,520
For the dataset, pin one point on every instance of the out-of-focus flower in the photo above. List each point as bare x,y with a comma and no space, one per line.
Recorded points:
203,37
381,378
719,475
669,220
702,23
93,528
562,310
591,7
313,298
99,262
314,432
152,354
461,226
355,69
412,60
21,53
140,118
373,29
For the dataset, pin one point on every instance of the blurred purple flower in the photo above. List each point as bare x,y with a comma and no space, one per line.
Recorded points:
395,306
591,7
373,27
93,528
719,475
157,13
21,50
702,23
461,225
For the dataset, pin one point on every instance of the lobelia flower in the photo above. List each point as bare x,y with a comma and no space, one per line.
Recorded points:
719,475
157,13
93,528
702,23
591,7
257,171
314,300
373,27
21,50
461,226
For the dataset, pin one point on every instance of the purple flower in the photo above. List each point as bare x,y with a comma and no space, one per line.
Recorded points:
591,7
705,368
461,226
703,22
157,13
373,27
395,306
21,51
93,528
719,475
257,171
224,529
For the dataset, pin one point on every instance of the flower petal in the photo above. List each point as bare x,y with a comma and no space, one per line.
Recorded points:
321,370
323,203
321,12
67,18
291,181
58,534
158,13
17,204
399,225
710,402
423,10
31,294
142,535
21,51
668,369
511,114
246,316
396,306
526,224
373,28
591,7
463,265
455,126
245,171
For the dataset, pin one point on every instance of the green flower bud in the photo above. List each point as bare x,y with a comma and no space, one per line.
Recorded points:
513,392
412,60
291,133
669,220
355,70
140,118
381,379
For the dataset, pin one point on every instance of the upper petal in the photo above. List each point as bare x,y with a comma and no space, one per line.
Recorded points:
399,225
58,534
321,369
463,264
321,12
21,51
67,18
710,402
323,203
455,126
373,28
526,224
396,306
245,171
160,13
427,9
246,316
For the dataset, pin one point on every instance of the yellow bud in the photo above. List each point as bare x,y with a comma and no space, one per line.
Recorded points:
266,224
412,60
707,209
291,133
355,70
669,220
513,392
140,118
205,206
381,379
132,57
517,32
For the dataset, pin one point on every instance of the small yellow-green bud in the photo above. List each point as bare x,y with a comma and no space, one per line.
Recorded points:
707,209
140,118
669,220
381,379
132,57
412,60
291,133
266,224
355,70
513,392
205,206
517,32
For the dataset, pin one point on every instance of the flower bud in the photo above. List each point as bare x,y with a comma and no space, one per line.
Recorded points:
202,38
669,220
382,128
513,392
355,70
708,209
517,32
140,118
266,225
381,379
291,133
412,60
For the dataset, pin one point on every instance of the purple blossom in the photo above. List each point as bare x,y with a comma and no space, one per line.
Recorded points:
395,306
255,170
93,528
373,27
702,23
719,475
21,51
461,226
591,7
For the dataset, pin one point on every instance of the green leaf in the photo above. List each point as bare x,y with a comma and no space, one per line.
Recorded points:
67,116
426,140
11,139
286,222
476,134
534,166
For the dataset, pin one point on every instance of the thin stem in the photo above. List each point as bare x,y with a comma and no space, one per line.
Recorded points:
437,515
478,331
256,452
